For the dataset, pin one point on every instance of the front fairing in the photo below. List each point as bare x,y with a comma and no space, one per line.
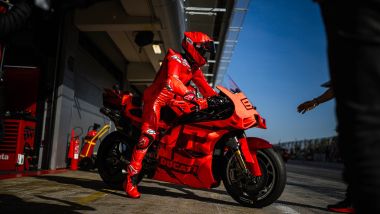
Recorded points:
245,115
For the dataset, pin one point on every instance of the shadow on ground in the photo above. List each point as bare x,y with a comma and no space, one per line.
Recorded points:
329,191
164,190
13,204
184,189
84,183
185,194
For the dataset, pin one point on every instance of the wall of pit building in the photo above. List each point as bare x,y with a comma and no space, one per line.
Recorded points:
79,96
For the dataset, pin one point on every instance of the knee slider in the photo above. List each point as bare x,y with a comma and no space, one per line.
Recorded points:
147,137
143,142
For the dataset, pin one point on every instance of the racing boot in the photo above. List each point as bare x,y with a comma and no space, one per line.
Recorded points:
133,169
130,186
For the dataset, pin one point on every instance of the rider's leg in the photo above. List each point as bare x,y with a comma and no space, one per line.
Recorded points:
148,135
151,117
138,153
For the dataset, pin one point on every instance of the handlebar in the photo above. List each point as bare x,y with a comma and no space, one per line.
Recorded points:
184,106
218,101
188,107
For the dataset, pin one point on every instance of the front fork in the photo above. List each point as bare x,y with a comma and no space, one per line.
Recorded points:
247,160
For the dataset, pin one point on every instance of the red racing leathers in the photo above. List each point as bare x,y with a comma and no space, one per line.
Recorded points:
172,79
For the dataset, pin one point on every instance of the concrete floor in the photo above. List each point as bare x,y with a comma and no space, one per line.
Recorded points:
308,190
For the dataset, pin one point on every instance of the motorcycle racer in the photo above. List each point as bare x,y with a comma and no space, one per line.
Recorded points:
173,79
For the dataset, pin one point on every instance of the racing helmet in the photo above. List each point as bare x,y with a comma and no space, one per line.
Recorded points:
196,45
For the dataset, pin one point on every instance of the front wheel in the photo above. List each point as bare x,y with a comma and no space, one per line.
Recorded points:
113,154
255,192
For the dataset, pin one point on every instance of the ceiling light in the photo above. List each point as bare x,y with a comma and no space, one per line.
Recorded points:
156,49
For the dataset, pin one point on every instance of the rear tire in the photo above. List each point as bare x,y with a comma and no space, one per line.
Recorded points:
113,154
269,186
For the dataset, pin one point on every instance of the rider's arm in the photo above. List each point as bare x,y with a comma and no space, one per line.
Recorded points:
201,82
173,83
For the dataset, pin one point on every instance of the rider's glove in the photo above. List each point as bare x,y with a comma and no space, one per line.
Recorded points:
189,96
202,103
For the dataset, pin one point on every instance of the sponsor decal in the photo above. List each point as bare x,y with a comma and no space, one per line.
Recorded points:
175,57
185,63
189,40
182,61
4,156
20,159
150,131
178,167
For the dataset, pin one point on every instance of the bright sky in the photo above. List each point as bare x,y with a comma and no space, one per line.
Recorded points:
279,62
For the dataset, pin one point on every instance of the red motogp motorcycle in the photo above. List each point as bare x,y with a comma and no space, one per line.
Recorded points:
195,148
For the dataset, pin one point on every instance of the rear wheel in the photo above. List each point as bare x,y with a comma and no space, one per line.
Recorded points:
113,154
257,191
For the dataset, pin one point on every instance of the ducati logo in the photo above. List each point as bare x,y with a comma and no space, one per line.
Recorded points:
179,167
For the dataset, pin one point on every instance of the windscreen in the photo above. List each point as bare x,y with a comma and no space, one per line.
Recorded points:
230,84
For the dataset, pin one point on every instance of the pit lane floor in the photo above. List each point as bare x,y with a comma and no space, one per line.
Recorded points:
308,190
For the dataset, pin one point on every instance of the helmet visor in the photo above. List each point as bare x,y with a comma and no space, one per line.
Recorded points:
205,47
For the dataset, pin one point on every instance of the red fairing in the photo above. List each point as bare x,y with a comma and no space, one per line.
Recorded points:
250,152
191,39
261,123
255,143
185,156
250,157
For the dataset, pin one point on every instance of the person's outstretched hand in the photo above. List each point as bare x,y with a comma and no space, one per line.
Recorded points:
306,106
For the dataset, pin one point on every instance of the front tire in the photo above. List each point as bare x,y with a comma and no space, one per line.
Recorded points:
268,187
113,154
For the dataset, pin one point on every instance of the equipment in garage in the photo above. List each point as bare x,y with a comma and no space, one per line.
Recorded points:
73,154
17,149
86,158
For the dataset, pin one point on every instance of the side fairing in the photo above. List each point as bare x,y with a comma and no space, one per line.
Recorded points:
185,156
